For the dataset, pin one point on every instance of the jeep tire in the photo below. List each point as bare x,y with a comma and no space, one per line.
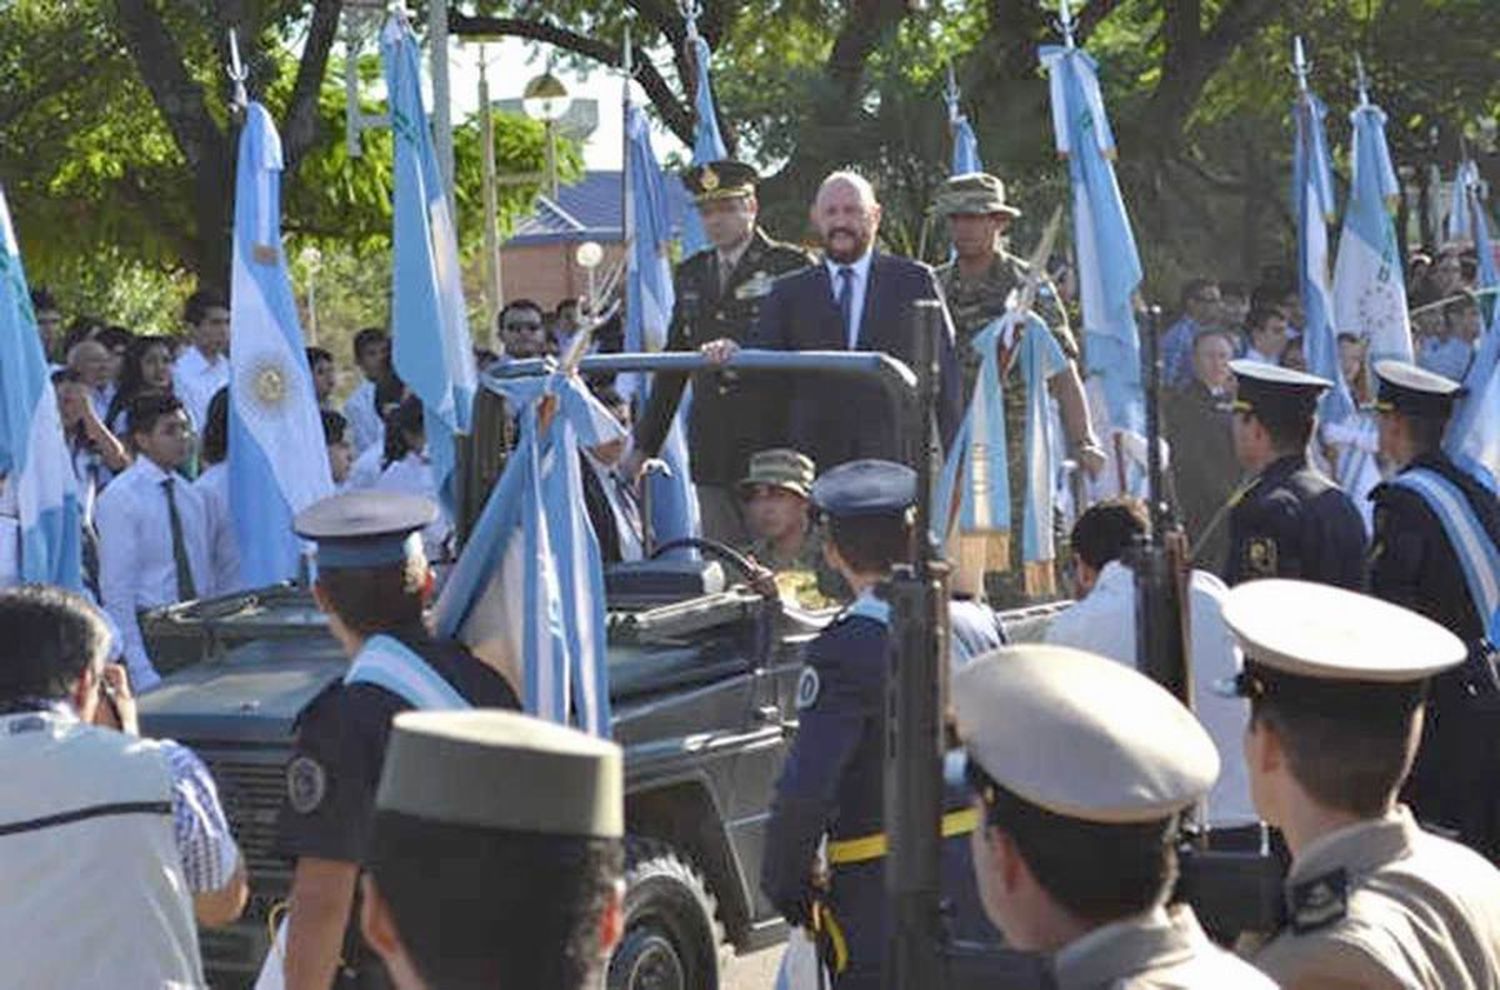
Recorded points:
671,936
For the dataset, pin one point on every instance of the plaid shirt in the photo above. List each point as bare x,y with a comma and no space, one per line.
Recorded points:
208,851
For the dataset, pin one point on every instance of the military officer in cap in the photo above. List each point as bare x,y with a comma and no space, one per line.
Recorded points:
1081,771
979,284
497,853
719,291
1335,682
833,780
1289,520
373,582
1436,550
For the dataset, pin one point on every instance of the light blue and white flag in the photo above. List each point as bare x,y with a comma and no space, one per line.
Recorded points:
1312,198
965,145
1369,289
708,143
1040,358
1460,226
278,463
649,298
44,540
1109,266
975,481
534,535
1473,439
431,348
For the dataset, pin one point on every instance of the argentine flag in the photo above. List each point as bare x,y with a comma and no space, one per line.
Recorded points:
527,593
708,143
1312,197
43,540
1369,289
649,298
278,463
1473,439
1109,265
431,347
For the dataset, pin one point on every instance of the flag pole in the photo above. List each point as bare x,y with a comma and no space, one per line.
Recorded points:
1300,67
1066,22
1362,81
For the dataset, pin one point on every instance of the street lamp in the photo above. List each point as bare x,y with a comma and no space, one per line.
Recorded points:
545,98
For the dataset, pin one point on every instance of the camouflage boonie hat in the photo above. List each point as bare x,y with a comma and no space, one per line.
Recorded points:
976,193
780,467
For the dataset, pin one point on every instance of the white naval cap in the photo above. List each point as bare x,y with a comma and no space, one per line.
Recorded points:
1082,736
1322,633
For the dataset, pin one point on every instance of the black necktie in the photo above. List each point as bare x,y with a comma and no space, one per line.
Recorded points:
846,304
186,589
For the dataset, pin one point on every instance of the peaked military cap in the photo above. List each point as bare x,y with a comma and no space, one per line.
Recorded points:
974,192
781,467
1298,633
866,488
720,180
503,770
365,529
1082,736
1270,387
1413,391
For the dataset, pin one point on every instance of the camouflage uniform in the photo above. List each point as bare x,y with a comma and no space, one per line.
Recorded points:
974,303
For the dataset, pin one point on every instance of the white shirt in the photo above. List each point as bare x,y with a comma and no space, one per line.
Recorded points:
412,475
223,545
136,567
861,282
1104,623
1251,354
195,380
366,469
364,419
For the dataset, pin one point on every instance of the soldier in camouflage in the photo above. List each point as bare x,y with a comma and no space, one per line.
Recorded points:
978,284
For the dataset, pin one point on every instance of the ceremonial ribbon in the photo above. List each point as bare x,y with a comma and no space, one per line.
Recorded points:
1041,357
977,475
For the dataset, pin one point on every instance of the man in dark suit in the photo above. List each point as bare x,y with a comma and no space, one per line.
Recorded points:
855,299
719,292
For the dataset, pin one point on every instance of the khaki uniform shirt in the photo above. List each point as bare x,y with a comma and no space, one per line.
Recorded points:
1384,904
1163,948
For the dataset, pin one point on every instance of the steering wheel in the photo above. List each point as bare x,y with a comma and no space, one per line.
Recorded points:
747,568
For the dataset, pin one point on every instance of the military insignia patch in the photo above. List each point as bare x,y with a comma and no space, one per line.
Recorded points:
709,179
1260,557
1319,902
758,285
306,784
808,687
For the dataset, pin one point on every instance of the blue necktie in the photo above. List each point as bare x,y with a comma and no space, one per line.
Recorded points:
846,303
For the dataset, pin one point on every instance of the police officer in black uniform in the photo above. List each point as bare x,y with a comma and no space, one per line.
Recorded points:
1435,526
373,581
719,291
833,781
1289,520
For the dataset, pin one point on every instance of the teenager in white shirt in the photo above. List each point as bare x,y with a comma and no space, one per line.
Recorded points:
372,352
213,486
203,367
153,530
408,470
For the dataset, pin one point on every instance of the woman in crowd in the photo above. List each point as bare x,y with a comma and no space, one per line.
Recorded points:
147,370
407,469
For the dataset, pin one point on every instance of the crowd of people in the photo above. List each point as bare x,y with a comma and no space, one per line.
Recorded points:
1060,831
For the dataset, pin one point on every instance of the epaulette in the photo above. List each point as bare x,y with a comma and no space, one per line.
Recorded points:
1319,902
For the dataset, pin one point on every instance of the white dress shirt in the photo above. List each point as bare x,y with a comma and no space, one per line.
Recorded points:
136,567
223,545
412,475
1104,623
861,270
366,469
195,380
364,419
627,514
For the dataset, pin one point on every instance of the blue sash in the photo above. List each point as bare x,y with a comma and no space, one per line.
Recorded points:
1472,545
389,663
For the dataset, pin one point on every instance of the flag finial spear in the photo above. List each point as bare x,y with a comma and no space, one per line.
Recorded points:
1361,80
237,73
1065,21
950,93
1300,66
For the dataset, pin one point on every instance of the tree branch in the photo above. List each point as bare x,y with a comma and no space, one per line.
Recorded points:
300,122
177,95
674,113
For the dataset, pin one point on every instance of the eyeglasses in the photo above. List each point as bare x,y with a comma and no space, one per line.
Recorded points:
523,326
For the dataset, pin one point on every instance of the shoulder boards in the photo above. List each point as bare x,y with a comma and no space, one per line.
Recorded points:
1319,902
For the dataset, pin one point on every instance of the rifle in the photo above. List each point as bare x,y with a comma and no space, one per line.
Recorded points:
1232,891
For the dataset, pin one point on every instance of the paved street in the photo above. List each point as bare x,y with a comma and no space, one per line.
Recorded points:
756,971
